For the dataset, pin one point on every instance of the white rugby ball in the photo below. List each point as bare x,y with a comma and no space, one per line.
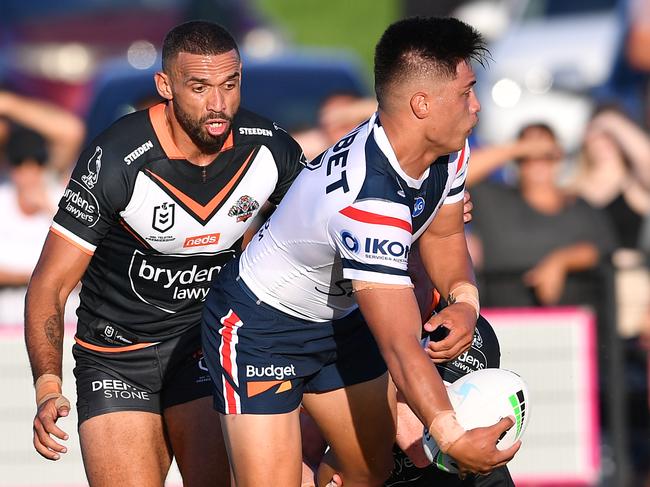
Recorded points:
482,398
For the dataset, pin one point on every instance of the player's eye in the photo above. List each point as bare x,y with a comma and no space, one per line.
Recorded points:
198,88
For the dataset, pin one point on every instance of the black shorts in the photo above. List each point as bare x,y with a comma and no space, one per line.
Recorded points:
150,379
263,360
405,474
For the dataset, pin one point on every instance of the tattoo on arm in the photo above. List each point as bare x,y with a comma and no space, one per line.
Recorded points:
54,331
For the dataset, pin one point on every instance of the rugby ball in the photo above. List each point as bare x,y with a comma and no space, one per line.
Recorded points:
482,398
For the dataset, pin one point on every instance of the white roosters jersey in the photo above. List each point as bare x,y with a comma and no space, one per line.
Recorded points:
353,215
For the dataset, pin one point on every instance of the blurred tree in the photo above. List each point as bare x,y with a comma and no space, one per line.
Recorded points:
342,24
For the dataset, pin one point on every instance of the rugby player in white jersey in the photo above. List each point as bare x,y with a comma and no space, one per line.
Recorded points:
321,300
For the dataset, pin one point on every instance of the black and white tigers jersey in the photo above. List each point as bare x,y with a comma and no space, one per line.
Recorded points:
353,215
159,228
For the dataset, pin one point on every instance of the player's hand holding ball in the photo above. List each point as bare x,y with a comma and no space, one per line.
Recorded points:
492,405
477,452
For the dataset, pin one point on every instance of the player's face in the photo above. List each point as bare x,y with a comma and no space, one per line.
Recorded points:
206,96
456,109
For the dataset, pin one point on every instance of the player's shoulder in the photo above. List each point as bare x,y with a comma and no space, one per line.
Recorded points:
128,143
251,128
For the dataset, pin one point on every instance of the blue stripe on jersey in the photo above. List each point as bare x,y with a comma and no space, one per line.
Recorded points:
382,269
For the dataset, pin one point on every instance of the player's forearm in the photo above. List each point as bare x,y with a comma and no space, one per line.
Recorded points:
447,261
394,319
44,329
416,378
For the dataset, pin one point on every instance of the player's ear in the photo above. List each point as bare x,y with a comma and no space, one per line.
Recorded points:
420,104
163,85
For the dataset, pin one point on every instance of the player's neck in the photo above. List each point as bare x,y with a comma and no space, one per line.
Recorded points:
413,151
184,143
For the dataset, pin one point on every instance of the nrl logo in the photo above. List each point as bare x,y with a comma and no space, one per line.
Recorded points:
244,208
163,217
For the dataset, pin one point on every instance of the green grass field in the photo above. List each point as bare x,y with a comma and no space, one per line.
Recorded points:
351,24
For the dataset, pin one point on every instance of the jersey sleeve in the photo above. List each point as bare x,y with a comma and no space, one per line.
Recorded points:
95,194
458,166
290,160
373,239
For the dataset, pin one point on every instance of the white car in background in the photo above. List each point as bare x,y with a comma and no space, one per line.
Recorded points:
547,56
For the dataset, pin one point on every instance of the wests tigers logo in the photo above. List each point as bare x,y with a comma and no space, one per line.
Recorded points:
244,208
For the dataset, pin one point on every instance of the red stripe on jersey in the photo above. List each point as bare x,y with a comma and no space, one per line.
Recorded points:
367,217
230,322
461,159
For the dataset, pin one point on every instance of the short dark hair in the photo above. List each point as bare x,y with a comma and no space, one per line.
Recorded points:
425,44
25,145
196,37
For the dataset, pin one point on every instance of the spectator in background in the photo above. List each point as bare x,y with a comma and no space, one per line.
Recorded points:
28,199
339,113
62,131
534,237
613,173
488,159
39,142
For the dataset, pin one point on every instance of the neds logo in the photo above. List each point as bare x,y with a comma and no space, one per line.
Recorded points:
201,240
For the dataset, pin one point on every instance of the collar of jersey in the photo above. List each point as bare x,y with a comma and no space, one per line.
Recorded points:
383,143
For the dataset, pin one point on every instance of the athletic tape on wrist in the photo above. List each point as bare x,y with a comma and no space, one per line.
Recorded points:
48,386
465,293
445,429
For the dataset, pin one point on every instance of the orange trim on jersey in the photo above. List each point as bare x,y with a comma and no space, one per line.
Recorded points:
97,348
160,127
204,211
435,300
368,217
159,122
135,235
69,240
229,143
461,159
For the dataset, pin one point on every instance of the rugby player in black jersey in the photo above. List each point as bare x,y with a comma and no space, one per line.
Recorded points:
155,206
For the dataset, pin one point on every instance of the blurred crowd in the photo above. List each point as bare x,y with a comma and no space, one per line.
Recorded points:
548,227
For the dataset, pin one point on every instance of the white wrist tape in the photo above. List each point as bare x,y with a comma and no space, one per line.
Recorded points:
48,386
465,293
445,429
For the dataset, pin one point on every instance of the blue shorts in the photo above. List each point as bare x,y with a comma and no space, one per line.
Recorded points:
262,360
